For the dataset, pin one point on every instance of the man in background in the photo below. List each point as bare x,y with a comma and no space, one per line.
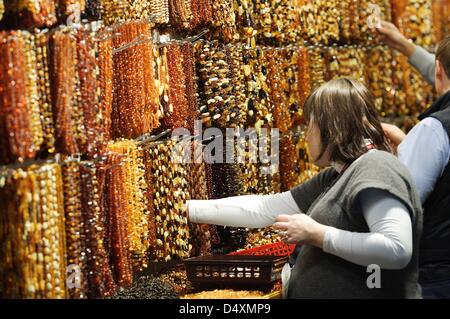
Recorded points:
425,150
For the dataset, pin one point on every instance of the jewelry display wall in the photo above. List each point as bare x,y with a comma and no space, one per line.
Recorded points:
90,89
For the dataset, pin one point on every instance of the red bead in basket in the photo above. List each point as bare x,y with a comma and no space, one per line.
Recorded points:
275,249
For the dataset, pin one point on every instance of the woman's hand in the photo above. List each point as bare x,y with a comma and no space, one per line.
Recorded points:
301,229
394,134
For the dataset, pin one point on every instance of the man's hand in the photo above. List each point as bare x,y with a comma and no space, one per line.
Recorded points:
394,134
392,37
301,229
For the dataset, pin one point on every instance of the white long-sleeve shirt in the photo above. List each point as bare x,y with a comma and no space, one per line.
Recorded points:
388,244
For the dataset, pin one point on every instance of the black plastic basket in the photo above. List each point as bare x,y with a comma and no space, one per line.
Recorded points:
235,269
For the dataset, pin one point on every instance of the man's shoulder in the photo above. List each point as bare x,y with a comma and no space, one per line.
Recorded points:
429,130
443,118
432,123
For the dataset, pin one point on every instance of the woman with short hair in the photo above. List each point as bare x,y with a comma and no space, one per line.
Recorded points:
362,210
